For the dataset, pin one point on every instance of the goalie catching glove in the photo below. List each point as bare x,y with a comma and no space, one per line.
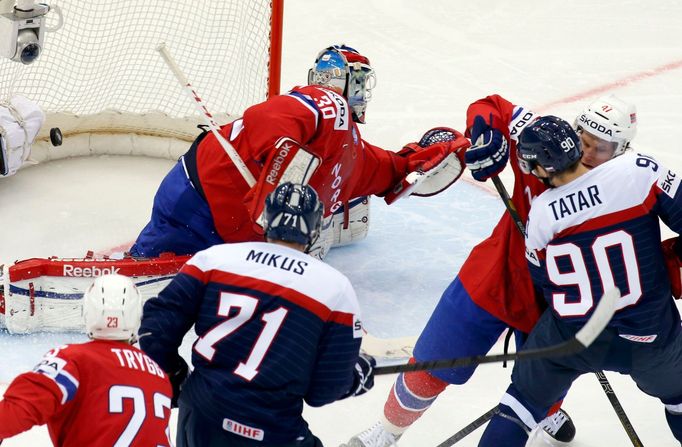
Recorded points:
433,164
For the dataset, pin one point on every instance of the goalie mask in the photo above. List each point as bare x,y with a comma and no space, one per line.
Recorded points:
293,213
112,309
344,69
611,119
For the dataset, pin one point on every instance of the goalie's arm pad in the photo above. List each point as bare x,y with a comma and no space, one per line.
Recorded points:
672,253
289,161
434,164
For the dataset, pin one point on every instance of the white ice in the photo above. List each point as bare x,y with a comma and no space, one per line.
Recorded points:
432,59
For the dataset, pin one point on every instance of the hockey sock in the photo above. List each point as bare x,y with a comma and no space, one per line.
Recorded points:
504,430
411,395
516,419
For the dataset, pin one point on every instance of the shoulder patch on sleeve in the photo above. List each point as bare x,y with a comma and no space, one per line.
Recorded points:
357,327
669,182
520,119
53,367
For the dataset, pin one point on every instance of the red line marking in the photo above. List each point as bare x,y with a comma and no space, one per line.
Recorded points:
611,85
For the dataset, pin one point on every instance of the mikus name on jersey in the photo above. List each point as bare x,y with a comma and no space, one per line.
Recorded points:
277,261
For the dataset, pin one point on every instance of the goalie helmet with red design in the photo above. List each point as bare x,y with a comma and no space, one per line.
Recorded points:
345,70
112,309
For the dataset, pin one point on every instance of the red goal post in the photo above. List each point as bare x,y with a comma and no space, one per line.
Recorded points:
100,80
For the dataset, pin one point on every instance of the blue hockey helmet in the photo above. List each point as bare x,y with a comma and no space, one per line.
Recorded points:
293,213
549,142
346,70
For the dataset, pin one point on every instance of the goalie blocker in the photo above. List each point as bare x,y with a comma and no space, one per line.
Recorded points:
46,294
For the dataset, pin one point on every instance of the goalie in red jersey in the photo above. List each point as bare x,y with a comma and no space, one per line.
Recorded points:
308,135
104,392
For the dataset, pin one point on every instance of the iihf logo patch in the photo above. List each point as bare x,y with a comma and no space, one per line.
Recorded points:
243,430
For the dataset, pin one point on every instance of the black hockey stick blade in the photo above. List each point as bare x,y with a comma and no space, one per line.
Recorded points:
583,338
481,420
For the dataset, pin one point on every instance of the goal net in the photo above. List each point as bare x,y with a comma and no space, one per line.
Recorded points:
102,82
100,72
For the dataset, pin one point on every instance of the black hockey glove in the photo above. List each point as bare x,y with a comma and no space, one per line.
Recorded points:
177,379
363,375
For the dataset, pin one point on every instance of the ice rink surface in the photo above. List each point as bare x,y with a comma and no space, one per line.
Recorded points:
432,59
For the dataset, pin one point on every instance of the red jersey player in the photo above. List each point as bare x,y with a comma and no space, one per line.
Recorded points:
308,135
103,392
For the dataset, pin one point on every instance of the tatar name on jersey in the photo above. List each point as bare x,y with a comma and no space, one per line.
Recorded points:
597,193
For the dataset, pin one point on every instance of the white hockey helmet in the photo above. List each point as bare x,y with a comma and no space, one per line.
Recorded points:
610,119
112,309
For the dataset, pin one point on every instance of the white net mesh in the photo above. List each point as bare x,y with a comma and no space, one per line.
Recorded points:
104,57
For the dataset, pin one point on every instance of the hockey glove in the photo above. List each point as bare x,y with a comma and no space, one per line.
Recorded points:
177,380
363,375
671,249
489,152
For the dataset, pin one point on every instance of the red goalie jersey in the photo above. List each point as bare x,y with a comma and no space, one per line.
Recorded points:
92,394
314,116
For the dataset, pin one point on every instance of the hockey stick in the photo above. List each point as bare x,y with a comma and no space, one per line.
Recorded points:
582,339
485,417
212,125
603,381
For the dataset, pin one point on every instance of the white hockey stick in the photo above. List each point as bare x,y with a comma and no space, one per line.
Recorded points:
212,125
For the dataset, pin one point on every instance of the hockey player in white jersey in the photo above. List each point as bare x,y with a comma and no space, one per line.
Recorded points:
592,231
493,289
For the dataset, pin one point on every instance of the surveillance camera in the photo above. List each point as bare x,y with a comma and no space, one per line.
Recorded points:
22,32
28,47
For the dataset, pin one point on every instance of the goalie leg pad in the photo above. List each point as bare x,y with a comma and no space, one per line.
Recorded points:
47,294
348,224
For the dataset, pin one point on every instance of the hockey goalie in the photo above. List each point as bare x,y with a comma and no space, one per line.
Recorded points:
309,135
